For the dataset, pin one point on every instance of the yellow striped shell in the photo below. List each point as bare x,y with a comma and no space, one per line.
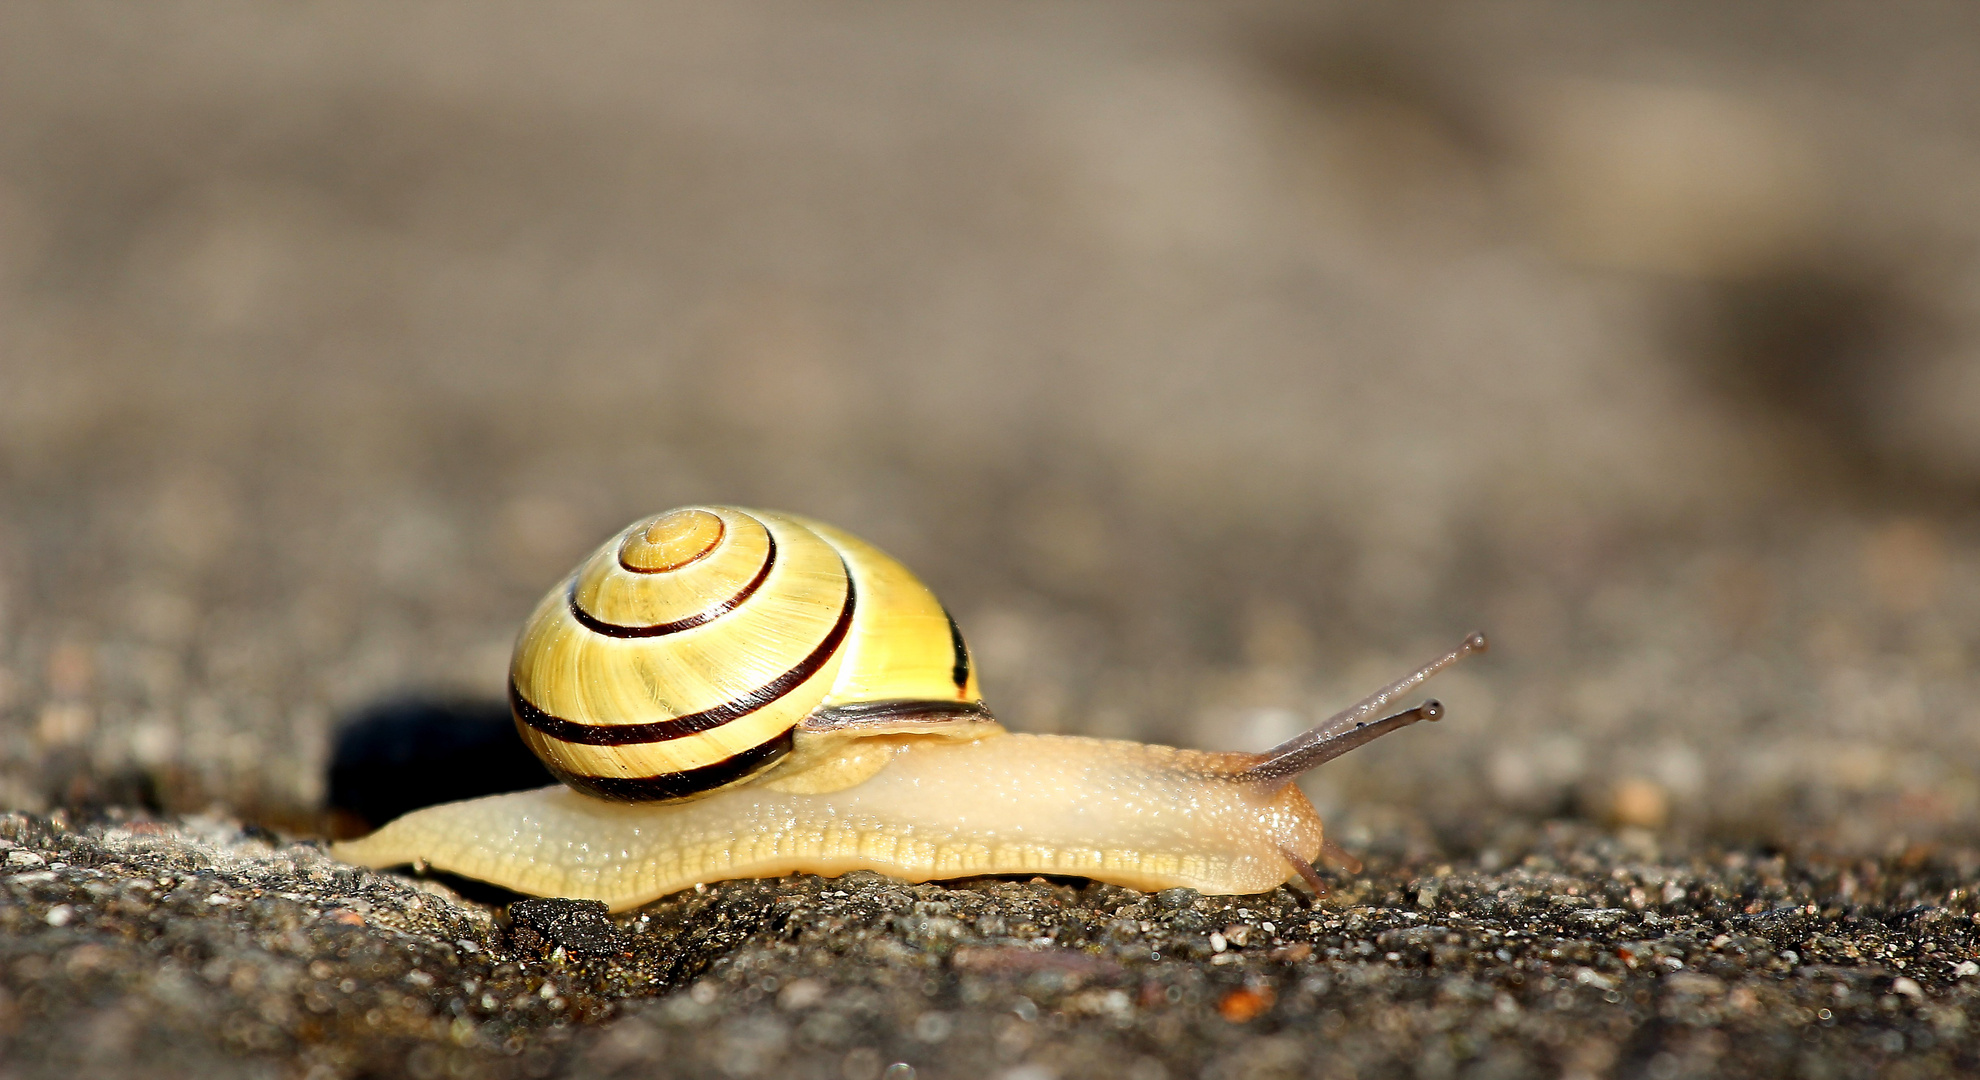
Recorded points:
687,653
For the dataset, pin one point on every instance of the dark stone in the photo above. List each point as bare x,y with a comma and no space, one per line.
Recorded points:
579,927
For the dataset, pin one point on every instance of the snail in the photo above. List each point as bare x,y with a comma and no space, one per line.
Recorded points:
728,694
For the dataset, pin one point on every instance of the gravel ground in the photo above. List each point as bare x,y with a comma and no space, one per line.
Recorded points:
1213,363
1575,952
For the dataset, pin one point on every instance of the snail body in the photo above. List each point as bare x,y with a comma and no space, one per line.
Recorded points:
1143,816
853,737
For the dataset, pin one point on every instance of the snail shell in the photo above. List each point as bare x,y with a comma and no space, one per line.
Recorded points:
683,655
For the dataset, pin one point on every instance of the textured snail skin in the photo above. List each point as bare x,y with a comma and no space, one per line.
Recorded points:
1144,816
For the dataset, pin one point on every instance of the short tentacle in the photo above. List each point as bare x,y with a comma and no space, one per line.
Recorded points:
1306,871
1338,857
1332,854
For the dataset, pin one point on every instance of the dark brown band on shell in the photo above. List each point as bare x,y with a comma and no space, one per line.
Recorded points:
681,784
597,625
959,673
680,727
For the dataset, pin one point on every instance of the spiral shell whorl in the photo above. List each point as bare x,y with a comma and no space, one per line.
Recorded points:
683,654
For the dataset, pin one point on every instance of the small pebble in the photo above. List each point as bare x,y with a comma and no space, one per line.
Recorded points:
1244,1004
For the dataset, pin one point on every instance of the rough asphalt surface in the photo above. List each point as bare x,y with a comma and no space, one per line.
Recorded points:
1214,364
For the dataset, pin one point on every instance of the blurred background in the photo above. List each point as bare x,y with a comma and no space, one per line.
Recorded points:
1215,363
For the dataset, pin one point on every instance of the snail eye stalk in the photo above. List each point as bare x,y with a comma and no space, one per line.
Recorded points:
1351,727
